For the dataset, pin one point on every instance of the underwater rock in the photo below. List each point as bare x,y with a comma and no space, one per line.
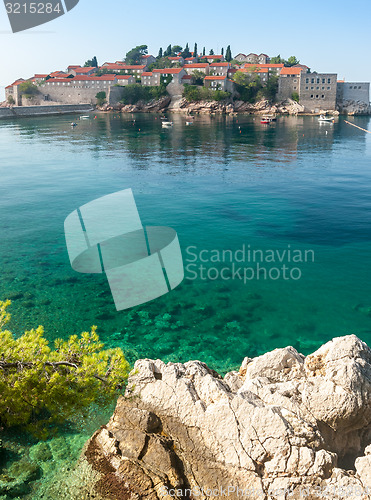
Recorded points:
283,421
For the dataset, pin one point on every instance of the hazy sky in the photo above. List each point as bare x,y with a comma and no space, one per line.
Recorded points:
329,36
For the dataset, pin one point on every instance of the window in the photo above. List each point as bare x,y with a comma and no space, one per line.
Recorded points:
328,80
351,87
294,88
360,87
295,81
317,80
307,80
312,80
306,88
328,88
312,96
317,96
312,88
323,80
317,88
323,96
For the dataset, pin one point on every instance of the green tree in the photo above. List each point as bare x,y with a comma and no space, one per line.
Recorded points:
271,88
28,89
160,53
176,49
186,52
222,51
40,385
228,54
195,51
11,100
101,98
249,85
211,53
91,63
134,56
167,52
198,77
295,96
291,61
277,60
204,51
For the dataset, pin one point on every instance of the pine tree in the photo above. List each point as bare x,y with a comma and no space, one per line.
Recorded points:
167,52
203,51
228,54
159,53
211,53
195,51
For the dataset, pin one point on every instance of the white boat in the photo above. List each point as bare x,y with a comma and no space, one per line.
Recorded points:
324,118
189,122
73,124
167,124
85,117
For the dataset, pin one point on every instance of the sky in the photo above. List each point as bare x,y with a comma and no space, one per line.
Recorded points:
328,36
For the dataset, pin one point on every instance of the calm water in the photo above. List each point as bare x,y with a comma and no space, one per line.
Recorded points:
221,183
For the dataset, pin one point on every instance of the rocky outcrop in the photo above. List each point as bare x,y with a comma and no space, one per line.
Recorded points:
283,426
355,108
140,107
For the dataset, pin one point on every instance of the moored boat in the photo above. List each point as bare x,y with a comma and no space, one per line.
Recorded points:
328,119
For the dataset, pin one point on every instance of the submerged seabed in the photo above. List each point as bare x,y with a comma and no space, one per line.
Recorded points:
225,183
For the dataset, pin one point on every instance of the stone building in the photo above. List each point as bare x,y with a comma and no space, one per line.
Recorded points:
219,69
253,58
78,70
219,83
203,67
317,91
169,75
148,59
214,57
348,92
176,60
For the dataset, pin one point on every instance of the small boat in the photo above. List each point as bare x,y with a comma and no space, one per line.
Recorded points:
73,124
268,119
189,122
167,124
85,117
328,119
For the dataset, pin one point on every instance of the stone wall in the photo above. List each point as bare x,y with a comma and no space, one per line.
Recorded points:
114,95
25,111
354,91
318,91
287,85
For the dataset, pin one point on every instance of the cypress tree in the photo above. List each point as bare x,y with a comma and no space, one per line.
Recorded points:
222,52
195,51
204,51
159,53
228,54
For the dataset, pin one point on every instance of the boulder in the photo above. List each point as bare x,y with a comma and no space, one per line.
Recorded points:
283,426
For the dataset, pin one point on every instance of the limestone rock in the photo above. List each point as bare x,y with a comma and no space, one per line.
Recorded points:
284,426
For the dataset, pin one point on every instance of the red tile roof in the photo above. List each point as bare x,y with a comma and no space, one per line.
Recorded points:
123,77
147,56
215,77
168,70
147,73
37,75
291,71
189,58
175,58
197,65
249,65
220,64
85,69
17,82
74,66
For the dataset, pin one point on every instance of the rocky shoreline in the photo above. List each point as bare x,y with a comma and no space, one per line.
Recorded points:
283,426
288,107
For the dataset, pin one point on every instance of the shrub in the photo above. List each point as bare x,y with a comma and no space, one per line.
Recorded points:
101,98
295,96
40,385
134,93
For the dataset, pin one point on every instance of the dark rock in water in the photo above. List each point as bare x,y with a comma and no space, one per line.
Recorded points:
14,295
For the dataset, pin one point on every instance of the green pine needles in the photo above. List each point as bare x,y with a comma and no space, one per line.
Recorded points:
40,385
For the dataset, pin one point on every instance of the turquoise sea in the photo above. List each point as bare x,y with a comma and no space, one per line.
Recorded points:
297,188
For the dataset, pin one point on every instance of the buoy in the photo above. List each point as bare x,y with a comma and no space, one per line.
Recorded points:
139,130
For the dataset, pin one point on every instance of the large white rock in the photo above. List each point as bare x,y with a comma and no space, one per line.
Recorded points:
284,426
